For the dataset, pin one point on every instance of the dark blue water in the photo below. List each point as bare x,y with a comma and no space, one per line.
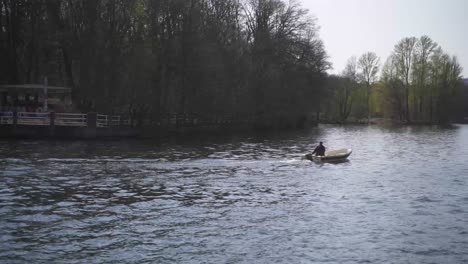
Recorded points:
401,198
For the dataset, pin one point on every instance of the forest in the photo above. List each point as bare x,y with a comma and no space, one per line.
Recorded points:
258,60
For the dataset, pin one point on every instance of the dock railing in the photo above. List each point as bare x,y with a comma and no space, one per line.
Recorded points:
6,118
102,121
114,120
96,120
33,118
70,119
62,119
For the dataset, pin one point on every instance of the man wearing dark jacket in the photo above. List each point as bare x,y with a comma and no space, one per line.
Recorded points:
319,150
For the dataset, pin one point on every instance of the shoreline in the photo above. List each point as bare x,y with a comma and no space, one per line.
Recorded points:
34,132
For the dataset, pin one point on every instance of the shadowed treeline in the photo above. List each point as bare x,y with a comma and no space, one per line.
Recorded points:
151,58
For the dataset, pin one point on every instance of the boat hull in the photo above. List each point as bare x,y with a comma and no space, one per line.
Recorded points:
331,156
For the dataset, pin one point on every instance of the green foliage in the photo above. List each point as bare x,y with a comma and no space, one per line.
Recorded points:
425,78
419,83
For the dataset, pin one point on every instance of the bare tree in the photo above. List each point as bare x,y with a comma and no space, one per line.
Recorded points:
393,89
345,93
425,47
368,66
404,54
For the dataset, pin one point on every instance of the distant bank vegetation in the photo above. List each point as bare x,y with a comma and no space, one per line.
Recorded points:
418,83
256,59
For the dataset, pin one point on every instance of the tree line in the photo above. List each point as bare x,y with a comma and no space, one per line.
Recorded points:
419,83
260,58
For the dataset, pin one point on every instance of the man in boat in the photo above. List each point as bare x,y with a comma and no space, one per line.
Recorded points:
319,150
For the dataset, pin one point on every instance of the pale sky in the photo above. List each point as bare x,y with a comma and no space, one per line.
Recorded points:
352,27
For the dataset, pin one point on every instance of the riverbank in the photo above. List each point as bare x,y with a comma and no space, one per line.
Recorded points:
92,125
168,130
63,132
392,122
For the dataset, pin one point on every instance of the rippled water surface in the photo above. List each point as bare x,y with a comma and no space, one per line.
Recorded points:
401,198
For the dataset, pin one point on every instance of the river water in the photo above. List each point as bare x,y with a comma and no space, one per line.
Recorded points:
401,198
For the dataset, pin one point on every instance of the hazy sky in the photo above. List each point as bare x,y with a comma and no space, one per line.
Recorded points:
352,27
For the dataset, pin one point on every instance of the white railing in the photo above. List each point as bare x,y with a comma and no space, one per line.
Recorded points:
102,121
6,118
61,119
126,122
68,119
114,120
32,118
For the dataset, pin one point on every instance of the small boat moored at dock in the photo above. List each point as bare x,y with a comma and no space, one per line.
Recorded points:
331,156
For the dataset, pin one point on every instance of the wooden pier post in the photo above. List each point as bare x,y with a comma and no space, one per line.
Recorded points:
15,120
91,120
52,124
15,117
91,125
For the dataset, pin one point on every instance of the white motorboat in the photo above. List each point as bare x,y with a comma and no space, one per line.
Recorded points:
330,156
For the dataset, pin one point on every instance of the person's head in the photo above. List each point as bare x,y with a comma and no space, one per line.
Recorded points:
321,142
